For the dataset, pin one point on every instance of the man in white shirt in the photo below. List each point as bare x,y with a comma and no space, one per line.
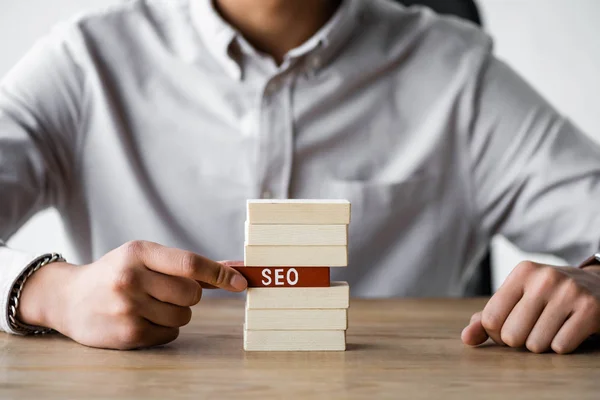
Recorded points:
149,124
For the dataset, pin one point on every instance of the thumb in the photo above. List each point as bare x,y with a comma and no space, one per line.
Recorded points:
227,263
474,334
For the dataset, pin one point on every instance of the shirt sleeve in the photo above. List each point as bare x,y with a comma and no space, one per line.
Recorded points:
536,176
39,117
13,263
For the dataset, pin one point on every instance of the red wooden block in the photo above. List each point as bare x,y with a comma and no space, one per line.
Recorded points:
282,276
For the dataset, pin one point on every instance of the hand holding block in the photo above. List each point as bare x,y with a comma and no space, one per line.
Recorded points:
315,212
285,276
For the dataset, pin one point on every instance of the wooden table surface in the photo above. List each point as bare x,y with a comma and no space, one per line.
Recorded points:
396,349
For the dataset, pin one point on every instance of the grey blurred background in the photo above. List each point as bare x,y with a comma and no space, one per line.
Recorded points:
554,44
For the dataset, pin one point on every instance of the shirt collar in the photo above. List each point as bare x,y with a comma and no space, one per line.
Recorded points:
218,35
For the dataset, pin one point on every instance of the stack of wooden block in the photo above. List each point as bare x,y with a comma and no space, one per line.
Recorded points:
290,246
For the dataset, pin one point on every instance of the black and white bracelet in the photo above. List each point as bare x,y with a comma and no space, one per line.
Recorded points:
15,295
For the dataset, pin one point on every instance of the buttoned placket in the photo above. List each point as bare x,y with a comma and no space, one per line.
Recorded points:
276,126
272,119
276,136
269,118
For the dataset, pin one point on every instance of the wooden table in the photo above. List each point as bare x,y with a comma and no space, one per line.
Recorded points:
396,349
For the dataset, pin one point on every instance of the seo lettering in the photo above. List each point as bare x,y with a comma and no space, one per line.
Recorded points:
276,275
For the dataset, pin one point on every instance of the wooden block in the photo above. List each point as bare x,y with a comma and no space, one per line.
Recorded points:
285,276
297,319
335,296
295,256
301,212
296,235
294,340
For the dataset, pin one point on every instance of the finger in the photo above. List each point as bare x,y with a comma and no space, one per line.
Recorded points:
163,335
559,308
142,333
171,261
474,334
501,304
172,289
227,263
583,323
232,263
207,286
547,325
521,320
165,314
497,310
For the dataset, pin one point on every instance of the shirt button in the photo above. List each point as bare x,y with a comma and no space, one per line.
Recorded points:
315,62
272,87
266,195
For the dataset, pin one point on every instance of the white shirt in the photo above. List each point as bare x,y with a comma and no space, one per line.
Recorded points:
155,120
